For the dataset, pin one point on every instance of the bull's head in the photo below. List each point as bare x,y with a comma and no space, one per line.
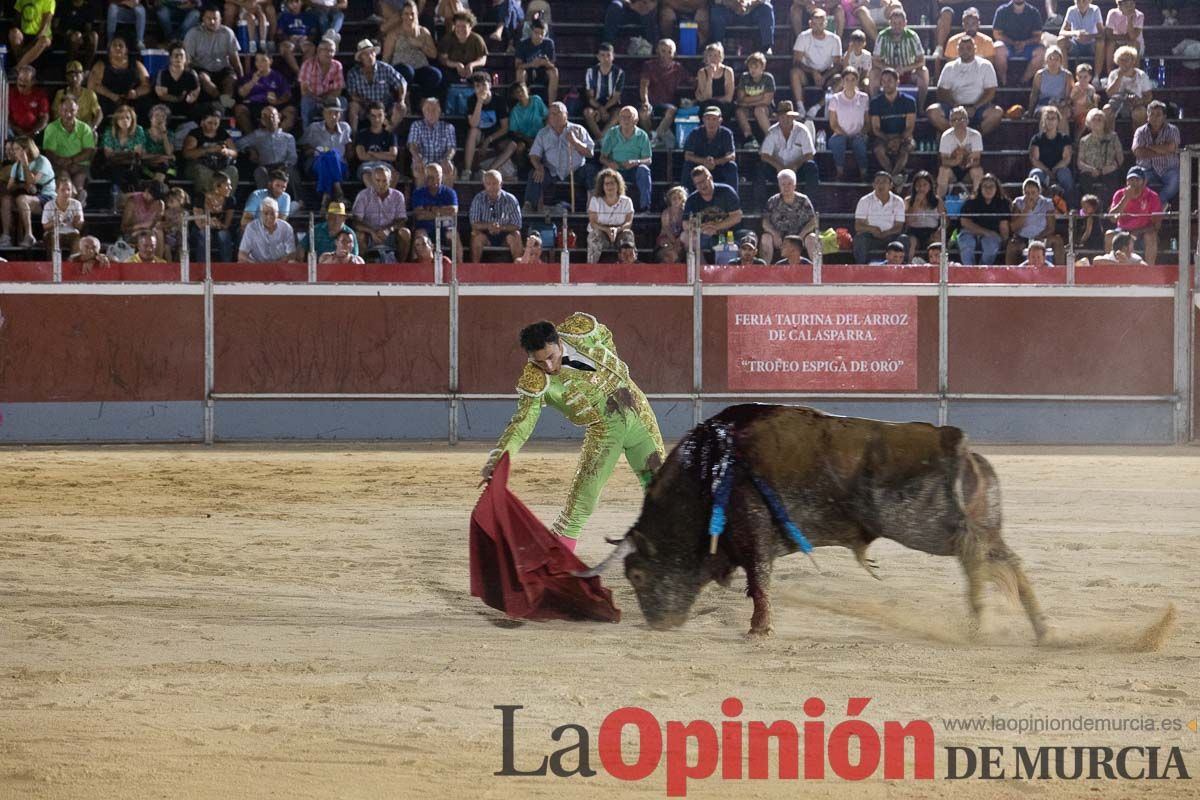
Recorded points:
665,583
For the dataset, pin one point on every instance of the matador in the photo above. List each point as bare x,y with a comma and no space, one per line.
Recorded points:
574,367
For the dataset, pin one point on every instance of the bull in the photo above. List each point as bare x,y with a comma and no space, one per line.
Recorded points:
839,480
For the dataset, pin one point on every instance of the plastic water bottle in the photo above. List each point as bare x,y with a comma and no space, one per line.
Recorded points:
1174,244
821,141
1162,72
924,20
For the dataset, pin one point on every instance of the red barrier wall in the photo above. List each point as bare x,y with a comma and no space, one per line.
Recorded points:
331,344
653,335
74,347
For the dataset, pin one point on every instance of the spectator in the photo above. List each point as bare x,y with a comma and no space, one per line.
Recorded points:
117,80
267,239
959,153
1083,98
31,186
431,140
627,248
1092,235
147,249
460,51
1121,252
371,81
1050,153
70,144
170,235
1156,147
342,252
432,202
900,48
375,145
380,213
923,214
1052,86
509,18
495,218
261,89
1082,33
296,31
878,218
535,59
870,15
326,150
626,149
89,256
1018,26
178,85
985,46
1136,209
669,12
755,95
483,114
787,145
969,82
127,12
658,91
1128,88
748,250
323,238
893,255
75,29
642,13
208,151
815,55
793,253
788,213
602,87
177,17
64,214
321,82
715,81
860,58
1035,255
1123,27
423,251
275,190
559,153
213,49
87,105
933,256
533,249
410,48
212,210
610,212
525,119
984,222
1170,11
669,244
31,36
143,210
121,148
759,13
847,122
893,120
269,149
1032,218
254,13
28,105
714,206
330,14
711,146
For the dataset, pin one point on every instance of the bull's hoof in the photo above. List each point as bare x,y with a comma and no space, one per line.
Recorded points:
762,632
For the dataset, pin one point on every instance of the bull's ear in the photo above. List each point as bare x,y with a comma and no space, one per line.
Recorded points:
644,545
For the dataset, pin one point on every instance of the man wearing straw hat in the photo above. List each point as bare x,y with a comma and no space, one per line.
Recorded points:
371,80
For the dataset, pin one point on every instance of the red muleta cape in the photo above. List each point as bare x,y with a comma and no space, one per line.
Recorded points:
518,567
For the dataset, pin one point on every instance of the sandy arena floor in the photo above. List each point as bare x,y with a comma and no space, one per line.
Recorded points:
295,623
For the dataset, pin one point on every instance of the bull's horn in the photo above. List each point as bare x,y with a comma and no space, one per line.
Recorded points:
624,548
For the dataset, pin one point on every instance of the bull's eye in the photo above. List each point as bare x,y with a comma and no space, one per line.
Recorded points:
637,577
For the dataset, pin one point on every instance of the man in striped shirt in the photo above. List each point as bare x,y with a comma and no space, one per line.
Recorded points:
379,214
1156,147
900,48
495,218
602,87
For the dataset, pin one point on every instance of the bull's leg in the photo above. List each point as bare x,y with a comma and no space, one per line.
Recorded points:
976,578
869,564
1005,568
758,584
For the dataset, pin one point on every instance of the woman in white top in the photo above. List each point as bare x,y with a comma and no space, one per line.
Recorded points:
610,211
68,212
847,115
